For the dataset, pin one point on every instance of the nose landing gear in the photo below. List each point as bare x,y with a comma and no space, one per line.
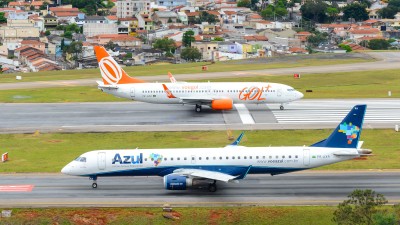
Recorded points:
94,178
198,108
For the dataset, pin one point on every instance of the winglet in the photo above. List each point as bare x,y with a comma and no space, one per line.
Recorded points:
171,78
347,133
111,72
238,139
168,92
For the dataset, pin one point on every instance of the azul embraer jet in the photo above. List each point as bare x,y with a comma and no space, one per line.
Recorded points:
185,167
217,95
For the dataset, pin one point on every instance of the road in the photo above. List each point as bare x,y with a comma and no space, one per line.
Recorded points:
387,60
134,116
301,188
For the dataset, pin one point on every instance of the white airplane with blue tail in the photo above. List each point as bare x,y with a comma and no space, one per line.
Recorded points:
185,167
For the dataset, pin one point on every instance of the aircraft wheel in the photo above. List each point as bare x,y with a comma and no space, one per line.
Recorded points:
212,187
94,185
198,108
281,107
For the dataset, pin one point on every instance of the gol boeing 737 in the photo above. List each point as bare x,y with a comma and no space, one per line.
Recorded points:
219,96
182,168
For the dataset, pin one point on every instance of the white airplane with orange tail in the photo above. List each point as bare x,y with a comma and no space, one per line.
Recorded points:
218,96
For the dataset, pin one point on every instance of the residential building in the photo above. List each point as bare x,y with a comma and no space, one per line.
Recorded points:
35,59
83,19
34,44
207,49
93,29
130,8
145,22
164,17
50,22
120,39
171,3
183,18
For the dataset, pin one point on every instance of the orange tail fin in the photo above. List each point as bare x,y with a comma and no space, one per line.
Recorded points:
111,72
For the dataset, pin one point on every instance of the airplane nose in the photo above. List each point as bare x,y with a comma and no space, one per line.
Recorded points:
66,169
301,95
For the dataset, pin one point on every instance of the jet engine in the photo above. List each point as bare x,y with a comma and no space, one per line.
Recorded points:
222,104
177,182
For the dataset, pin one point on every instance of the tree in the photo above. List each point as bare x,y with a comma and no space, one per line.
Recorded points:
68,34
314,10
317,38
359,208
44,6
128,56
345,47
388,12
244,3
3,19
165,44
188,38
190,54
110,45
207,17
169,20
47,33
378,44
218,39
62,46
333,13
356,11
1,68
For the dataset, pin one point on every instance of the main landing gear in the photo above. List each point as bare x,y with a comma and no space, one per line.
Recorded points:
94,184
212,187
281,107
198,108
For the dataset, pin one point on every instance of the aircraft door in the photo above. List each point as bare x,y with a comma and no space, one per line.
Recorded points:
132,93
101,160
193,159
279,92
306,157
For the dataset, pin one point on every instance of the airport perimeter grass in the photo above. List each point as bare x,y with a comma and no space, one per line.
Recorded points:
365,84
291,215
162,69
50,152
228,215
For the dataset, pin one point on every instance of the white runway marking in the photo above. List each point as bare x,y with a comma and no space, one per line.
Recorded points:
244,114
334,115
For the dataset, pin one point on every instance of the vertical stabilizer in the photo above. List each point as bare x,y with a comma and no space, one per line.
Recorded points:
347,133
111,72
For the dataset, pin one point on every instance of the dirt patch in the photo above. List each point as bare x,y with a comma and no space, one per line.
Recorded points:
193,138
215,216
55,141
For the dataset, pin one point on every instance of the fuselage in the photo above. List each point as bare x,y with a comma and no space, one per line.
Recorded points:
239,92
229,160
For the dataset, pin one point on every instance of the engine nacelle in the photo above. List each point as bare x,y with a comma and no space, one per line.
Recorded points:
177,182
222,104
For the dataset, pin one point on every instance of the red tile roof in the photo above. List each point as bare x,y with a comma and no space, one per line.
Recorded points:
61,9
297,50
65,14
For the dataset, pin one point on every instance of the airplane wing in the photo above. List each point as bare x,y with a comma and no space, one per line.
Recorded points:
212,175
196,100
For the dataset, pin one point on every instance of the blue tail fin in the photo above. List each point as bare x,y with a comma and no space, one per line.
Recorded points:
237,141
347,133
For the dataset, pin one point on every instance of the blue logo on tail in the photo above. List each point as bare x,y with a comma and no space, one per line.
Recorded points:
350,130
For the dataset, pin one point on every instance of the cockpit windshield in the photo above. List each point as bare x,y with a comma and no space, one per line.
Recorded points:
80,159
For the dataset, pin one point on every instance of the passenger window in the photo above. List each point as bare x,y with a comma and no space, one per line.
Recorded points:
245,157
220,157
283,157
206,158
227,157
270,156
256,157
296,156
250,157
185,158
199,158
238,157
178,158
165,159
192,158
233,157
83,159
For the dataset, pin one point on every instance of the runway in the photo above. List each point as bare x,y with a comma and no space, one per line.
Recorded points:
301,188
134,116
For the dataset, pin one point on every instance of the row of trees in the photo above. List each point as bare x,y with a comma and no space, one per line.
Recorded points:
317,11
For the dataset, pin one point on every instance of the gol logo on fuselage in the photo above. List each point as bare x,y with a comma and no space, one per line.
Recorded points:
110,71
252,93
